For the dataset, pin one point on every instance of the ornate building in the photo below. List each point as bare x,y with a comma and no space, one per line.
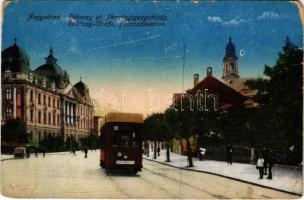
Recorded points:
44,98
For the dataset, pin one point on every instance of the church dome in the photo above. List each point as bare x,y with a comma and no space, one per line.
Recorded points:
230,50
15,59
54,72
81,90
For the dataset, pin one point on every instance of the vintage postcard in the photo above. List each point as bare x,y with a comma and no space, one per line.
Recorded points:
152,99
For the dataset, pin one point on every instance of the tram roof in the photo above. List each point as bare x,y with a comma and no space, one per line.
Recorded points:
124,117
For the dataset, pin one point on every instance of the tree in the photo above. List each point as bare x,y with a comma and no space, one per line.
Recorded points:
90,141
71,143
14,130
52,143
155,129
280,99
182,120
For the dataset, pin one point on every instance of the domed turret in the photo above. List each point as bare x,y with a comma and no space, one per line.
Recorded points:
230,50
53,71
81,91
16,59
230,71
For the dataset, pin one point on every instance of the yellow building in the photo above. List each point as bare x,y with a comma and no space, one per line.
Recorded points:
44,98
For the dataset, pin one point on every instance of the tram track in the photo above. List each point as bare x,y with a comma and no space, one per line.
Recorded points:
186,184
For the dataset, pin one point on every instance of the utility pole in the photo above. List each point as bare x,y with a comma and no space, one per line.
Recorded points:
184,58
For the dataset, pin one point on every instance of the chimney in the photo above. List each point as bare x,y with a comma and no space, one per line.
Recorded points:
209,71
196,79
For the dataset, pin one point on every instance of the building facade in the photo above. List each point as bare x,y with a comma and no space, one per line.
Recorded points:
44,98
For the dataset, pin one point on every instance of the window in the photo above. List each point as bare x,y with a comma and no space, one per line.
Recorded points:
58,122
57,103
8,113
54,120
44,100
39,116
54,103
44,117
8,94
39,98
125,136
31,115
231,67
50,117
31,95
49,101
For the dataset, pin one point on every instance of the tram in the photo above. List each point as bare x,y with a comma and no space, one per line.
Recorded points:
121,142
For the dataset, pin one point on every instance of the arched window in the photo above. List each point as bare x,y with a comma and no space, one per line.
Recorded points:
231,66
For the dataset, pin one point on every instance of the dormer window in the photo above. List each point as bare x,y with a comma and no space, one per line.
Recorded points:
53,86
30,77
44,82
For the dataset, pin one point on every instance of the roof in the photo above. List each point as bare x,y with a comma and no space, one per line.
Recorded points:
54,72
15,59
230,50
224,93
82,88
124,117
239,85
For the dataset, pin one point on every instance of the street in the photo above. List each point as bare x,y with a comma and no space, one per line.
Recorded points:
63,175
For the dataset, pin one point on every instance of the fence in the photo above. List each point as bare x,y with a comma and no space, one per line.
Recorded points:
249,155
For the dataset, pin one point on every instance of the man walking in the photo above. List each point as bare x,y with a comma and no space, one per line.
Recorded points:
270,165
260,166
265,156
43,151
229,154
85,152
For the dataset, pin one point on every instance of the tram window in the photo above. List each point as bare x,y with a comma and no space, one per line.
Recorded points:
115,139
125,140
135,139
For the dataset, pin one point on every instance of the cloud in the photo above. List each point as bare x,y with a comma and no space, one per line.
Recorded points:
216,19
129,42
234,21
268,15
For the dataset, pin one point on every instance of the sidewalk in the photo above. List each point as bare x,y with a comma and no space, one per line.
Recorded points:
286,179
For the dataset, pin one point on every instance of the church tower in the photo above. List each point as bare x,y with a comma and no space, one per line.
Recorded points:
230,71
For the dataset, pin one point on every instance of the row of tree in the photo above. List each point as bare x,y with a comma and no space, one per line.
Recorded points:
13,133
276,121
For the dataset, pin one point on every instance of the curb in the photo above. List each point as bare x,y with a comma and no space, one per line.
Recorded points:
232,178
4,159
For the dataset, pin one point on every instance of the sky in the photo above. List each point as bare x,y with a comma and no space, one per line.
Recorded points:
137,69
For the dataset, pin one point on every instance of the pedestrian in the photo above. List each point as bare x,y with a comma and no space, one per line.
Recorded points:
36,152
260,165
85,152
265,156
28,153
158,150
227,154
230,155
74,151
43,151
270,165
